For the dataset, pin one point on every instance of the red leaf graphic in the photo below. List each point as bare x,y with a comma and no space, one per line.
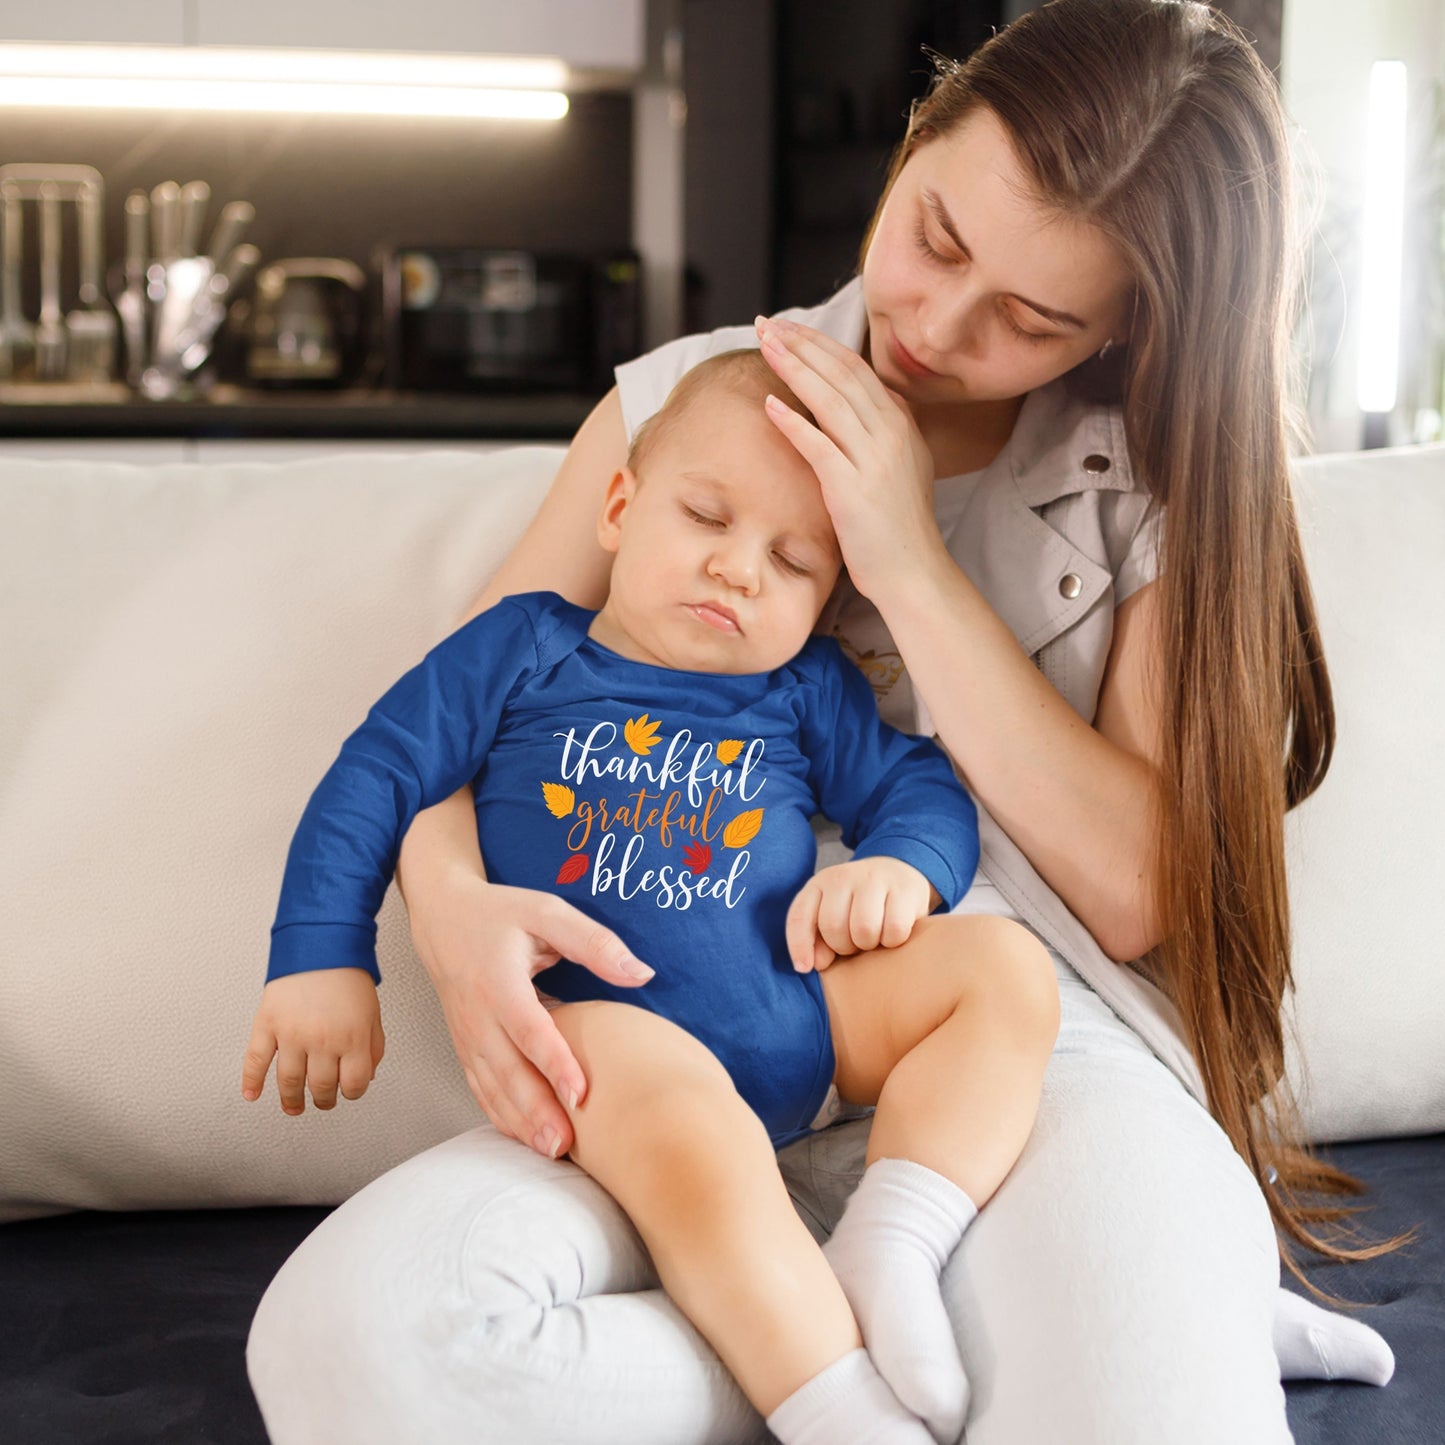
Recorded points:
698,856
573,868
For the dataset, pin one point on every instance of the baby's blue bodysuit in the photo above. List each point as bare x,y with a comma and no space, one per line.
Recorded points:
673,806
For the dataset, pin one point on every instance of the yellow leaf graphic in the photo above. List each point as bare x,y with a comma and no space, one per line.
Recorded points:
641,734
743,829
559,799
728,751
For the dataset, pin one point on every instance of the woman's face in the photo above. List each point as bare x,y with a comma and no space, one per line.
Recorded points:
976,291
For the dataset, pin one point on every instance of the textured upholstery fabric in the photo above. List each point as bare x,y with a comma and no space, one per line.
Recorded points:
1366,853
184,649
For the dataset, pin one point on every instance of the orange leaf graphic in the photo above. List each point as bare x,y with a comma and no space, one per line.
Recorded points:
743,829
573,868
698,856
560,799
641,734
728,751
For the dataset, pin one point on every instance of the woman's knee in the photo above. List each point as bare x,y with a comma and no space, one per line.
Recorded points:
1130,1254
476,1245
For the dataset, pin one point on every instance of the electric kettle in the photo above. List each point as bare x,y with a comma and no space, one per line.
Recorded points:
306,323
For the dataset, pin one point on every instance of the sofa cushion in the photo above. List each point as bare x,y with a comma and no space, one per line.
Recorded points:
185,648
1366,860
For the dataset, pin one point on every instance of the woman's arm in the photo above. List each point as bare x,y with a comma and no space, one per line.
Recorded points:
559,552
1079,801
481,945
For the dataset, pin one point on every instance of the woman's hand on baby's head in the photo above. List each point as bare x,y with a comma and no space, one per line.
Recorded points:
855,907
323,1029
872,462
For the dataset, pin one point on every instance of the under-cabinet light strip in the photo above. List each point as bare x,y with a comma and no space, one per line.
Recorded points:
215,78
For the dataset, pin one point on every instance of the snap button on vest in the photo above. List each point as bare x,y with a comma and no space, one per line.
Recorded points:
1070,585
1095,463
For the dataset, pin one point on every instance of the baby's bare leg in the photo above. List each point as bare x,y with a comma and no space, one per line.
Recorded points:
664,1131
948,1035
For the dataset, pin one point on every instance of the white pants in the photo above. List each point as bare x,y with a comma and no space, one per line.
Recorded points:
1118,1288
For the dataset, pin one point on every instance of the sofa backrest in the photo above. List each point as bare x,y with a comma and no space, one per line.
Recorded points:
1367,851
184,647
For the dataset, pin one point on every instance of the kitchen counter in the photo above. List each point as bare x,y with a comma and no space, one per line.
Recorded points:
73,411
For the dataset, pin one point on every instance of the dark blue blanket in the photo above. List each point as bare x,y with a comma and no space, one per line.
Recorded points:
117,1329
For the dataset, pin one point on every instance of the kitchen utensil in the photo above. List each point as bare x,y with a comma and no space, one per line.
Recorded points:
50,333
195,197
238,267
17,335
180,284
195,297
131,302
91,323
224,285
165,222
235,217
51,186
29,176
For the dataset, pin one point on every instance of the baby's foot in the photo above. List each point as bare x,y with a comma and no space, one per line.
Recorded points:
846,1403
896,1234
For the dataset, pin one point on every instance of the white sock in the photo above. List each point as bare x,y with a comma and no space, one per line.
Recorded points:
847,1404
888,1251
1314,1344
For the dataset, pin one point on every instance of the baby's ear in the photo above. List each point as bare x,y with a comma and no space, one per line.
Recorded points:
620,492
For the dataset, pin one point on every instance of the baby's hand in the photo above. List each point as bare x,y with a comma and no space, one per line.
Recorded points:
323,1029
856,906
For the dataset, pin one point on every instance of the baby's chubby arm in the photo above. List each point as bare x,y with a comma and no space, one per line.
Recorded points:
323,1028
319,1016
856,906
912,827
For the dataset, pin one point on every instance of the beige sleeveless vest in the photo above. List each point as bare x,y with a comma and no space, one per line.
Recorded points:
1054,533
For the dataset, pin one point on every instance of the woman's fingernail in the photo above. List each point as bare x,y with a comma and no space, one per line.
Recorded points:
569,1096
761,322
549,1141
635,968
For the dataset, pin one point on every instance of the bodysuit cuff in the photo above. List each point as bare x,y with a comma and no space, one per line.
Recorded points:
307,947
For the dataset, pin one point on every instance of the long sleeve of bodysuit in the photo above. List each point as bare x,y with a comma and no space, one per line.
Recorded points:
892,793
422,741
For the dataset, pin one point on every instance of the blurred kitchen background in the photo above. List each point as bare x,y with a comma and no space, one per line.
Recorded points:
178,278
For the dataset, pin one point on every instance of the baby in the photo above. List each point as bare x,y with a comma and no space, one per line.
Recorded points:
658,763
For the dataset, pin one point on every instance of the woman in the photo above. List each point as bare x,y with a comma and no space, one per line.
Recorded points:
1052,441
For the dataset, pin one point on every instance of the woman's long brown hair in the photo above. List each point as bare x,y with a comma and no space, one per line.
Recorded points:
1155,121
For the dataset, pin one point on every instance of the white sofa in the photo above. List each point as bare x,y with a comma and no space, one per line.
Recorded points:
185,646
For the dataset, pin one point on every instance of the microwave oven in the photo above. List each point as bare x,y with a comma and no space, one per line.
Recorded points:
461,318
